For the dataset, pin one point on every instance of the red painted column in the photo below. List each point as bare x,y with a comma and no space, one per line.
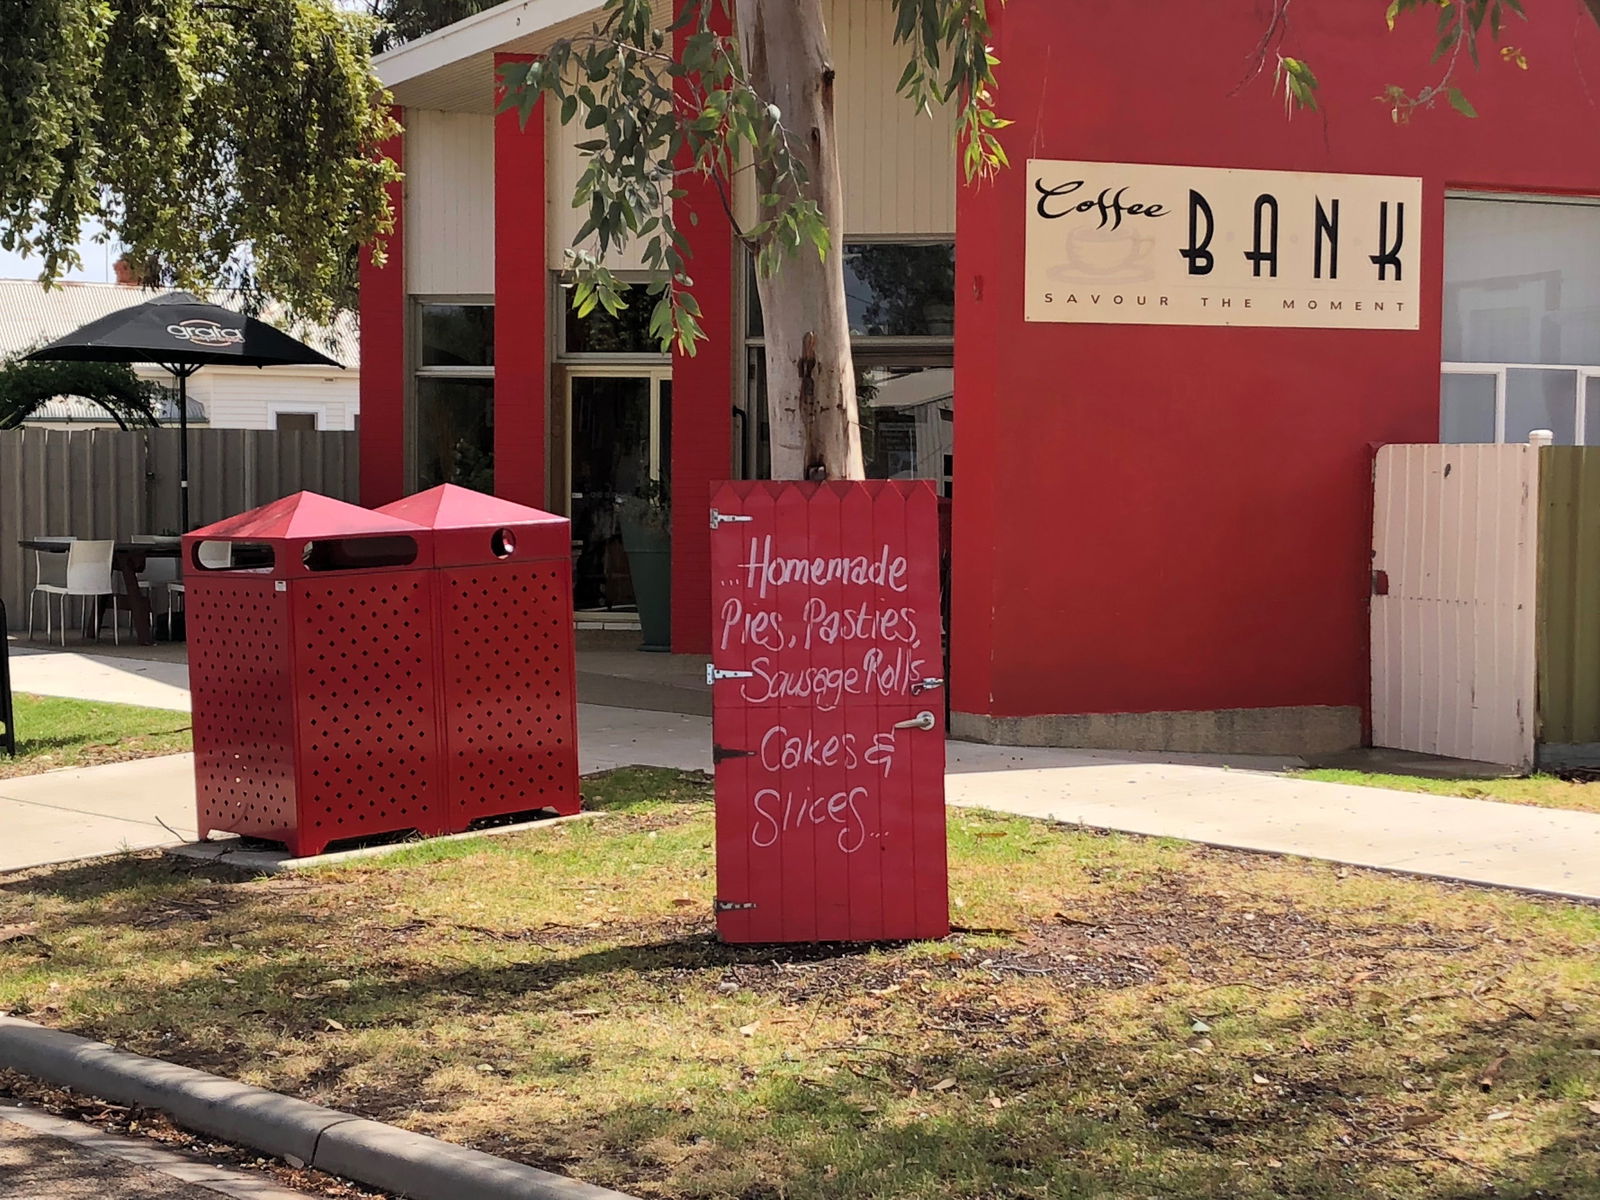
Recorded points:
702,402
521,334
383,352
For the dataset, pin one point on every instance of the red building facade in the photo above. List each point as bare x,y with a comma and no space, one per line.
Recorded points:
1161,533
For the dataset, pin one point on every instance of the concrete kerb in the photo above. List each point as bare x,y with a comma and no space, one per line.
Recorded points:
226,852
412,1164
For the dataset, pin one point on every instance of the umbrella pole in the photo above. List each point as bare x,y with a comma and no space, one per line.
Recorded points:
183,448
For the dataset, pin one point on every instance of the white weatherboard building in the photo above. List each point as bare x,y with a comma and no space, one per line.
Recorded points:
222,397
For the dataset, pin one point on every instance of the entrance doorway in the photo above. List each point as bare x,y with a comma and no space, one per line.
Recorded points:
618,444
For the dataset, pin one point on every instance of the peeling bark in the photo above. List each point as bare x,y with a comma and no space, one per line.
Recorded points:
811,384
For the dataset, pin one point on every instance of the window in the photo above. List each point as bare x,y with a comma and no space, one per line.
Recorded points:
1521,320
295,422
453,427
901,298
599,332
893,289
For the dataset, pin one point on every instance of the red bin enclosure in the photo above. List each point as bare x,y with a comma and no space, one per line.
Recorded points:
503,622
313,665
828,718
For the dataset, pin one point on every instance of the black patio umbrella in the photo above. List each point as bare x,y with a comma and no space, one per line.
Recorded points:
182,333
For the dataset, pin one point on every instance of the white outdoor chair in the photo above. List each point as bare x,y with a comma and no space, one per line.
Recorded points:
48,568
163,573
88,576
214,556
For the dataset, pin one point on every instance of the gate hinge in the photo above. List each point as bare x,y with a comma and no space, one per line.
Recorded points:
721,754
732,905
720,518
713,674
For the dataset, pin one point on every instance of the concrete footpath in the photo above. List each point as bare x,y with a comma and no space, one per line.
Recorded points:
1238,802
1245,806
124,679
85,812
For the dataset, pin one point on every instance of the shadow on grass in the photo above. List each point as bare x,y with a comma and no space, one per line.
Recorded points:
1016,1108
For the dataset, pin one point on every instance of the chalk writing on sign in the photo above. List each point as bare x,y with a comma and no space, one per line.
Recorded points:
872,650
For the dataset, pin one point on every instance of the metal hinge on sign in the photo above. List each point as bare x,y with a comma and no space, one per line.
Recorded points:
721,754
718,518
712,674
731,905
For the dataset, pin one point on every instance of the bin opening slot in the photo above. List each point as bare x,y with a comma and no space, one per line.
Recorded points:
503,543
359,553
232,556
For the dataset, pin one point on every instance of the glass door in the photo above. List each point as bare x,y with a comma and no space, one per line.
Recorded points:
618,444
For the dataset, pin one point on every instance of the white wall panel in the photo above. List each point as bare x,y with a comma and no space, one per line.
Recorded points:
243,401
449,199
566,167
898,167
1453,649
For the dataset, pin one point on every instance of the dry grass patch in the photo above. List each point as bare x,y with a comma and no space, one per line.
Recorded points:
1118,1017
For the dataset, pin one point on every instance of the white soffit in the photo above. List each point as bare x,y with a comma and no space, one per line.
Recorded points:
453,68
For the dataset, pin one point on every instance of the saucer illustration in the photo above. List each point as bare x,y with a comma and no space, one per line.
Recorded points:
1133,273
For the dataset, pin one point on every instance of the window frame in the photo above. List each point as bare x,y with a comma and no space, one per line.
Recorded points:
299,408
1498,371
921,351
1584,372
559,304
417,371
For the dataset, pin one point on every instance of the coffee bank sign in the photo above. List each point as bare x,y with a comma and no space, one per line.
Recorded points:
1128,244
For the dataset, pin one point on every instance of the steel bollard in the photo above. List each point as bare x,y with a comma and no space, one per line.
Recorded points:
8,717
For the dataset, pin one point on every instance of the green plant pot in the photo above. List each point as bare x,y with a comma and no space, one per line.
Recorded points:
648,541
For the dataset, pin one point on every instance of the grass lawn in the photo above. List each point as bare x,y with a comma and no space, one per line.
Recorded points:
1120,1017
55,732
1544,791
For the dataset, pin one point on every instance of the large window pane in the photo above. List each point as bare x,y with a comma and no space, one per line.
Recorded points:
907,416
456,335
892,289
907,420
455,433
1521,282
1466,408
1542,400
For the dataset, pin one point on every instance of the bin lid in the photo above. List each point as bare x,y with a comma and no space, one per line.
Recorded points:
462,513
302,516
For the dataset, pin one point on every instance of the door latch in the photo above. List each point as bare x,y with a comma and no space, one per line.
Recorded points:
923,720
926,685
713,674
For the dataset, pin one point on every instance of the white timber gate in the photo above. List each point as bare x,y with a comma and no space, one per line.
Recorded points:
1454,582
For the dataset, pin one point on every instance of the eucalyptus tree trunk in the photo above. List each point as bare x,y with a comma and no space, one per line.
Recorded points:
811,386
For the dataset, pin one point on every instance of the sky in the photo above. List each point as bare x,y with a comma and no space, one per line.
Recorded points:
97,261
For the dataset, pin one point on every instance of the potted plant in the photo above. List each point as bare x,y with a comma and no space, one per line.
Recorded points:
646,521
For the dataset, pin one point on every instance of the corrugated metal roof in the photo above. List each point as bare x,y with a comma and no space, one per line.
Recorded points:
31,315
76,410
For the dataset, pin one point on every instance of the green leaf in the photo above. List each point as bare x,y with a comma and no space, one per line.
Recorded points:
1461,104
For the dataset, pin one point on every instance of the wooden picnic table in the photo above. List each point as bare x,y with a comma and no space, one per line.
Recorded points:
129,558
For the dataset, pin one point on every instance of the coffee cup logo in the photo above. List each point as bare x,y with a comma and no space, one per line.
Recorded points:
1108,253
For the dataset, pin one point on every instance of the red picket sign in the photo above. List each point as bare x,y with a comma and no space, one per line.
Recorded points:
828,720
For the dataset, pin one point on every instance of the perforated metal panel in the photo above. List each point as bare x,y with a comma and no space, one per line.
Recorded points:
510,704
239,679
365,672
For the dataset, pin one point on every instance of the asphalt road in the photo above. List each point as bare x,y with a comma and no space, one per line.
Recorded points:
34,1165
